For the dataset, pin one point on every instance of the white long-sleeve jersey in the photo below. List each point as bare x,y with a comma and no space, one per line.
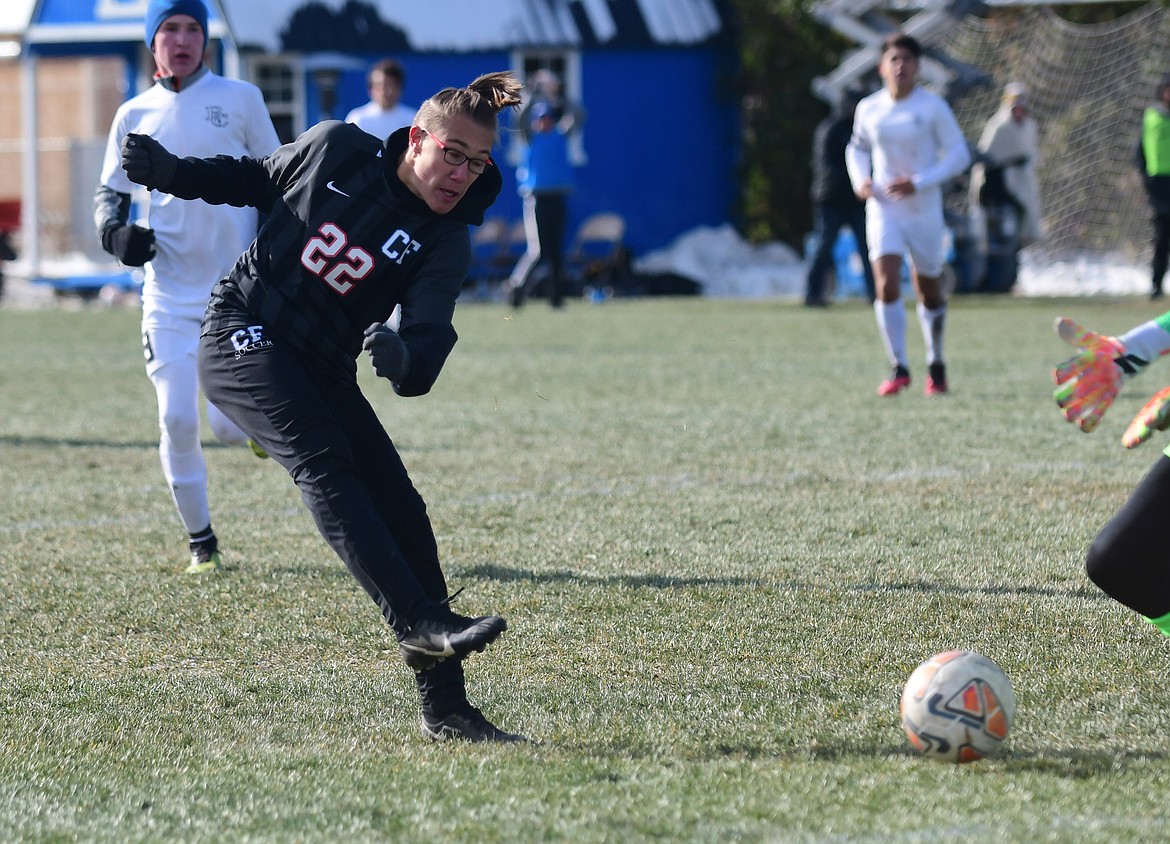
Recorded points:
381,123
195,244
916,137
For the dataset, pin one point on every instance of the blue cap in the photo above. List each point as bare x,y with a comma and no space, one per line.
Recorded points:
158,11
539,111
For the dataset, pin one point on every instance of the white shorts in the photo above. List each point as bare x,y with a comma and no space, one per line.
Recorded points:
168,339
917,236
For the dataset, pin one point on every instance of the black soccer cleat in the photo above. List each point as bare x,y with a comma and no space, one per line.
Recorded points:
467,724
430,641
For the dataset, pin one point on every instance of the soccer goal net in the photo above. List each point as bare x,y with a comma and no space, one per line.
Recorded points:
1088,86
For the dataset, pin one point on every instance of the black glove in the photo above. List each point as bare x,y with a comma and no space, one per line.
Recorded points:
390,356
147,162
132,245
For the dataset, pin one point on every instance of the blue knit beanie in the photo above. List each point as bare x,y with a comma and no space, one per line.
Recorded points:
158,11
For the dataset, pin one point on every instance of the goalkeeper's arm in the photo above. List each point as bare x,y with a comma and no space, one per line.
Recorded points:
1088,382
1143,344
1111,358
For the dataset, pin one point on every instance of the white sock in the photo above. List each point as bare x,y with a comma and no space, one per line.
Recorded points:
225,430
891,321
933,323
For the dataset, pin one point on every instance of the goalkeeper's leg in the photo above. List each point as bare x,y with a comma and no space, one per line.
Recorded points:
1130,558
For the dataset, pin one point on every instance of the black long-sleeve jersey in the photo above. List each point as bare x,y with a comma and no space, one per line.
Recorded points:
345,242
830,177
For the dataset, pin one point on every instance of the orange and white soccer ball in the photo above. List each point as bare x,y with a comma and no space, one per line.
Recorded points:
957,707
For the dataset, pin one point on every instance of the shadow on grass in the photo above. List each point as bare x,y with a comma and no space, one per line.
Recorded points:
1086,592
491,571
1080,764
69,442
42,441
1071,763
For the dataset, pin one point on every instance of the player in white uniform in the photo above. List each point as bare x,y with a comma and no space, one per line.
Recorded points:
384,113
906,144
186,246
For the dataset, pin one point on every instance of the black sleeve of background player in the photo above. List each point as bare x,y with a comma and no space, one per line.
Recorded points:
111,210
223,180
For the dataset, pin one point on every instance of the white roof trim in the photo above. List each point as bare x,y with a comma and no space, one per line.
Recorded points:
600,19
100,33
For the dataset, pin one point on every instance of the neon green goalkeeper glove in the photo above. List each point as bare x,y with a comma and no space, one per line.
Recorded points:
1154,416
1088,382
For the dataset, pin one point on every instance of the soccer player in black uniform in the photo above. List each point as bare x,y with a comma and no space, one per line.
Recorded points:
356,227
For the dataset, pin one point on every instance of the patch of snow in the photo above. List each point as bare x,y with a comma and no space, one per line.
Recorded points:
728,266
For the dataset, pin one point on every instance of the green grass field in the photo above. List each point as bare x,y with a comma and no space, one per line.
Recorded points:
720,555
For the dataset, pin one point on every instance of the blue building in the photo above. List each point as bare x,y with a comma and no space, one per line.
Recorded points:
656,79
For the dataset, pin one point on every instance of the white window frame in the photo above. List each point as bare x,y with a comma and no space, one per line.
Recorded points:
292,108
526,62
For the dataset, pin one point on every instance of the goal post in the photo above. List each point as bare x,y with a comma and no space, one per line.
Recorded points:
1088,85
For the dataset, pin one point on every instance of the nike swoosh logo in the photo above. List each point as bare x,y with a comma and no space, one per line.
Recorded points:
335,188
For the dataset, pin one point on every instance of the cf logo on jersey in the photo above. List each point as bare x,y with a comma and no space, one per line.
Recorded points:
246,337
399,246
249,339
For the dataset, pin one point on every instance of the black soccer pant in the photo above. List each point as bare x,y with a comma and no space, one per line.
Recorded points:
830,218
1130,558
1161,250
324,432
550,214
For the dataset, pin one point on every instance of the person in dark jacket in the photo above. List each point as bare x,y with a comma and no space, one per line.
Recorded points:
357,226
834,203
1153,160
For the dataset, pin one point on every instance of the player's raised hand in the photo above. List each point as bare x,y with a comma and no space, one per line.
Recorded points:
1154,416
1088,382
147,162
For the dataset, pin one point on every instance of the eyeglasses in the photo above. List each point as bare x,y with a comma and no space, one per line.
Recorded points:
454,157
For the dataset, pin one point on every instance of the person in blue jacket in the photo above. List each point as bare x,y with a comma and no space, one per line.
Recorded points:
545,181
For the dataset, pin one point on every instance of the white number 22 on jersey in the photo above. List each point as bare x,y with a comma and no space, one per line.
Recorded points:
326,257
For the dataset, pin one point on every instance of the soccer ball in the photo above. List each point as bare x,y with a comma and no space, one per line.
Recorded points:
957,707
